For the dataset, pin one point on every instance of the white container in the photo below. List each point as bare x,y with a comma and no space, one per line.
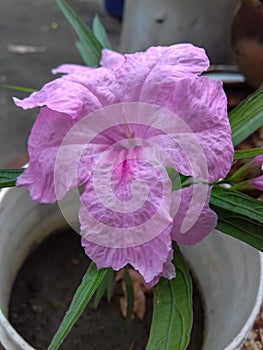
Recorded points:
229,272
204,23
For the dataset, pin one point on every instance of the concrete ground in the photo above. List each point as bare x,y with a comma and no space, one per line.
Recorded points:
37,23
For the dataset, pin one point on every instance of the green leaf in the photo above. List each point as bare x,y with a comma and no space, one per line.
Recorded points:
248,153
172,311
89,46
237,202
110,285
240,227
104,287
8,177
129,291
239,215
247,117
85,52
100,33
18,88
85,291
177,179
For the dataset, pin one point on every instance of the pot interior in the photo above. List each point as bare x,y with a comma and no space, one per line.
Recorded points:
228,271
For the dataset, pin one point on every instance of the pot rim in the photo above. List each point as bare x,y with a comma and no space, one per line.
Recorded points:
238,341
8,331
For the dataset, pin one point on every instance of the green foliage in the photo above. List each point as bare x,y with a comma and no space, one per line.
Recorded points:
88,46
129,291
247,117
104,287
237,202
8,177
18,88
172,311
248,153
100,33
91,281
239,215
178,180
240,227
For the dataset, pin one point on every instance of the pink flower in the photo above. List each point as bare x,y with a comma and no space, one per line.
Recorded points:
258,181
113,130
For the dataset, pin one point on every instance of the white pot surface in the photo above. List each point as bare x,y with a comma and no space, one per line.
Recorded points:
229,272
204,23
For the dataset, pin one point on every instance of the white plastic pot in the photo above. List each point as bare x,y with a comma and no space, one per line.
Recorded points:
204,23
229,272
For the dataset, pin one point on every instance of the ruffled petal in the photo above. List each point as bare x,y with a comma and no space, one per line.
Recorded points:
168,271
126,202
259,160
167,77
152,259
177,61
44,142
71,69
59,157
125,213
193,219
201,104
258,183
76,95
111,59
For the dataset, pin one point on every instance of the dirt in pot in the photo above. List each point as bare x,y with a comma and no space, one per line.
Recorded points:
44,288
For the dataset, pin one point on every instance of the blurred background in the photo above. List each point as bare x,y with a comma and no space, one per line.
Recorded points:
34,38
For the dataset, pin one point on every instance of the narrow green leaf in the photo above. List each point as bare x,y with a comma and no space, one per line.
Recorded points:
177,179
8,177
237,202
248,153
247,117
86,54
110,285
88,40
129,291
85,291
100,32
240,227
103,287
18,88
172,311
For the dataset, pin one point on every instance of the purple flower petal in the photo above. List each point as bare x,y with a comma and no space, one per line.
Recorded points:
111,59
192,212
152,259
168,271
167,77
258,183
201,104
76,95
177,62
45,139
126,202
55,167
71,69
126,212
259,160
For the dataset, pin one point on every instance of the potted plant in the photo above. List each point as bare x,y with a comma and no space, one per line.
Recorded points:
229,277
144,145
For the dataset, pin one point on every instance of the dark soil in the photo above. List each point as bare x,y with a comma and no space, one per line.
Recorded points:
44,288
